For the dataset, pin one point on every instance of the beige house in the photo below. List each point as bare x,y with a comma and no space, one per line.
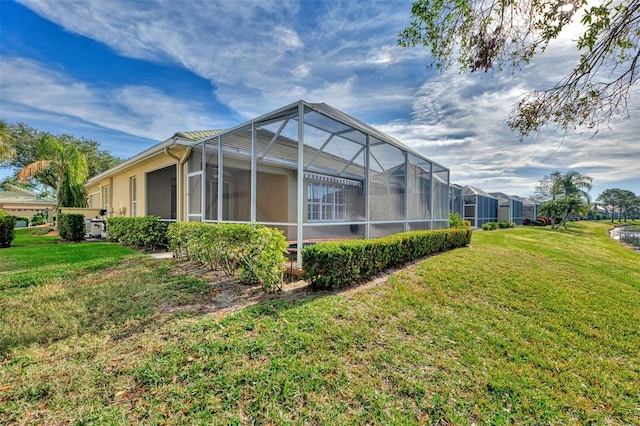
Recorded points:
308,169
22,202
148,184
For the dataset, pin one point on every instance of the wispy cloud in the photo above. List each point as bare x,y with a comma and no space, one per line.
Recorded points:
137,110
460,120
258,56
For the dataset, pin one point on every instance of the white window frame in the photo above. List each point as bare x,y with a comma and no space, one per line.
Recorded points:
326,202
106,195
133,188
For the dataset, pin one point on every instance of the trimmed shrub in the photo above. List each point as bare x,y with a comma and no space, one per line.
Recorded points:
39,218
71,226
332,265
490,226
254,253
264,262
147,233
7,229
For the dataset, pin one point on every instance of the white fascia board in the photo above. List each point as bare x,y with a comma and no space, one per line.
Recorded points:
156,149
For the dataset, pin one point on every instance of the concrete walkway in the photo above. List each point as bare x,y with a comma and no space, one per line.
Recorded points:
162,255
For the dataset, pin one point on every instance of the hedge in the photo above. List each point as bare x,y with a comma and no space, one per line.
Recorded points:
490,226
147,233
71,226
7,229
332,265
254,253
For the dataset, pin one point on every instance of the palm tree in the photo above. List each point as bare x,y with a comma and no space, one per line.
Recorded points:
572,189
67,165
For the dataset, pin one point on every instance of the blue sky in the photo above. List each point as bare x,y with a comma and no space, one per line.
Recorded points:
132,73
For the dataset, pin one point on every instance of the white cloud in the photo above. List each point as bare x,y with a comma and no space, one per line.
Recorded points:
257,55
137,110
261,55
460,120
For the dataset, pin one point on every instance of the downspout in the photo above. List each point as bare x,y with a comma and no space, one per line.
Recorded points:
180,186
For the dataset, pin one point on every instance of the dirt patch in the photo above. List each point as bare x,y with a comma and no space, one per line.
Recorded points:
228,295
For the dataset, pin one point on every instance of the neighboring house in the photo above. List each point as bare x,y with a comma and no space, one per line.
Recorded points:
529,208
308,169
509,208
22,202
151,183
456,201
479,206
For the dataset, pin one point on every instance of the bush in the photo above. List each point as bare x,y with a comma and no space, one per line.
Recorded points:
254,252
455,221
543,220
490,226
71,226
333,265
265,260
7,229
39,218
147,233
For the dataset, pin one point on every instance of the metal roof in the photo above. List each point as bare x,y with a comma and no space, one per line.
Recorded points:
335,114
19,195
472,190
179,138
191,138
197,134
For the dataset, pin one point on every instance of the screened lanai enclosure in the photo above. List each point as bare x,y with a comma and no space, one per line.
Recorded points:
479,206
317,174
509,208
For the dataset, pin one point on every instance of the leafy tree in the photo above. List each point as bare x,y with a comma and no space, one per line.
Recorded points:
628,202
609,199
25,142
624,200
634,210
6,150
66,164
563,195
495,34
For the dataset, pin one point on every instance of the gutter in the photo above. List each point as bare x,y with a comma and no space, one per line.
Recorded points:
181,196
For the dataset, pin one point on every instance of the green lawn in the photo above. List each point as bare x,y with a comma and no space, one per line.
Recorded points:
525,326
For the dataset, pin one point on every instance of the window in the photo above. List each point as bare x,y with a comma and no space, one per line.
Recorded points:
105,198
134,196
94,200
326,202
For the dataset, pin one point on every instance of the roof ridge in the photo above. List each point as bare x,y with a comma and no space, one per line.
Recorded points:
194,135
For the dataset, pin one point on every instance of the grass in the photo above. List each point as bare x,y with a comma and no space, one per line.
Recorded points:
51,290
525,326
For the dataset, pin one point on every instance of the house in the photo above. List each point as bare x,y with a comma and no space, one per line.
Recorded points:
479,206
307,168
530,208
456,201
509,208
22,202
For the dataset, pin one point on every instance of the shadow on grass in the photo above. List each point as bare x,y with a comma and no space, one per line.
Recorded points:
103,294
228,295
127,296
